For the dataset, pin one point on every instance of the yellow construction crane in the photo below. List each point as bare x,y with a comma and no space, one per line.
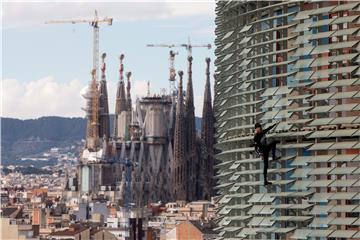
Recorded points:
95,24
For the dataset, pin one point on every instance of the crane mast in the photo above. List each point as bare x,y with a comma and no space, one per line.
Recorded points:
95,24
172,71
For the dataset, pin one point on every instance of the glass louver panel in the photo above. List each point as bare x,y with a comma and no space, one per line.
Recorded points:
343,120
320,158
269,103
344,32
343,183
343,145
347,19
303,75
324,22
321,109
321,96
343,133
321,49
303,63
322,84
283,90
245,28
301,173
302,39
320,222
301,234
322,10
303,51
302,15
343,158
321,183
343,170
343,221
343,107
320,197
321,35
347,234
320,134
320,209
227,35
302,27
323,61
342,95
301,185
340,83
344,7
320,233
343,208
321,146
320,171
344,70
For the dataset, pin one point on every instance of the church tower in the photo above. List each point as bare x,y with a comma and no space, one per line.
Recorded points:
120,106
178,168
207,140
104,129
191,154
92,111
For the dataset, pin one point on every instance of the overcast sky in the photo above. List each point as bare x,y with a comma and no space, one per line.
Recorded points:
45,66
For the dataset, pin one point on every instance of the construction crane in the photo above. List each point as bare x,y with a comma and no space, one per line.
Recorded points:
187,46
172,71
95,24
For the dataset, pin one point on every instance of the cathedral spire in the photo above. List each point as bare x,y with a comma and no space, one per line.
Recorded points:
120,104
191,156
207,139
178,168
128,92
92,108
104,128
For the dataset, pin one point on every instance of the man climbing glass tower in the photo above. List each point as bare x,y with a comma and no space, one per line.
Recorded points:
263,147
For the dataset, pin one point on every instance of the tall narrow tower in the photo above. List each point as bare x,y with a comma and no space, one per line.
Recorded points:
128,98
128,92
207,140
104,129
179,169
92,110
191,154
120,104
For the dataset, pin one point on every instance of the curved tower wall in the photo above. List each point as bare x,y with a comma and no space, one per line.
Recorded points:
295,63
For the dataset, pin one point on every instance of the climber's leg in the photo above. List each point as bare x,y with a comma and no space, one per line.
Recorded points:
272,147
266,165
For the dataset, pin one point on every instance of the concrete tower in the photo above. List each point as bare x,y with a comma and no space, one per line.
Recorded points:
179,169
207,140
104,128
191,154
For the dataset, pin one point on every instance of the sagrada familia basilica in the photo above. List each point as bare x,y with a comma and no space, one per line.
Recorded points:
153,152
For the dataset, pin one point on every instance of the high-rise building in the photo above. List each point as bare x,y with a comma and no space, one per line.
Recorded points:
296,63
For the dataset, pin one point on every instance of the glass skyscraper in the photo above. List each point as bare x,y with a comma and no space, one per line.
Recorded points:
296,63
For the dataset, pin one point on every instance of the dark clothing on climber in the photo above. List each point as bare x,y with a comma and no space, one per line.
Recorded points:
264,147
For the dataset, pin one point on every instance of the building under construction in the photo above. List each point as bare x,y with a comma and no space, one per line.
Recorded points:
153,152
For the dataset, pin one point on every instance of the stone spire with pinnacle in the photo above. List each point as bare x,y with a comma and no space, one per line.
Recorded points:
207,140
92,130
178,168
191,154
104,129
128,92
120,104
